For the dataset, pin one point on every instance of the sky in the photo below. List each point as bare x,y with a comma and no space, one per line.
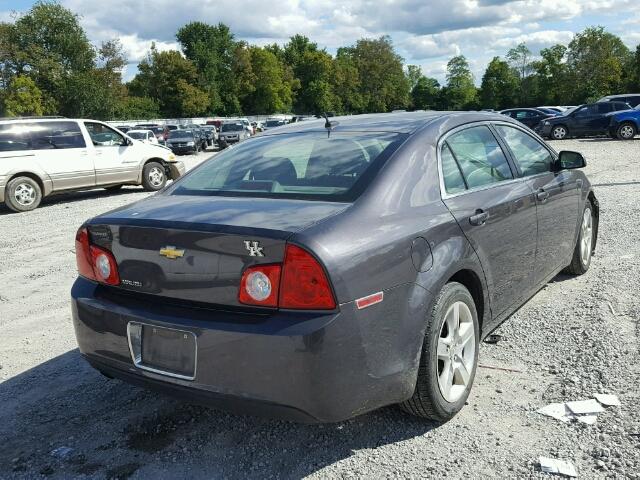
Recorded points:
424,32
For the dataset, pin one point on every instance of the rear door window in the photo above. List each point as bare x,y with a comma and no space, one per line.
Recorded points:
14,137
479,156
56,135
530,155
301,165
451,174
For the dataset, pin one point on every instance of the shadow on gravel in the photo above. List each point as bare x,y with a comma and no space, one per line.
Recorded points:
117,430
614,184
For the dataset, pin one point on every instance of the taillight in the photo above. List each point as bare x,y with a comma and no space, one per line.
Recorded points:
95,263
300,283
304,284
259,285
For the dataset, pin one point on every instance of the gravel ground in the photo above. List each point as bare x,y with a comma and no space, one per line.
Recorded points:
576,337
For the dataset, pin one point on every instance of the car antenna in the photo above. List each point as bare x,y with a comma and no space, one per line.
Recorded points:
328,124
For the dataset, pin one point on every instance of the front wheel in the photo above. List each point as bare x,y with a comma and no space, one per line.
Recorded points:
583,250
626,131
22,194
449,356
153,177
559,132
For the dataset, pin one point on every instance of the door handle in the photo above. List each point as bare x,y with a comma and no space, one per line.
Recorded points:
480,218
542,195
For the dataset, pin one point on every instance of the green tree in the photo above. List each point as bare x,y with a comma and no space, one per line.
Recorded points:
383,85
163,76
272,89
460,92
23,97
414,74
426,94
551,73
137,108
212,48
520,59
596,60
346,85
314,72
193,101
499,87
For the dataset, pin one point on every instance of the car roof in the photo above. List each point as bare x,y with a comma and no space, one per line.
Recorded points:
401,122
621,95
46,119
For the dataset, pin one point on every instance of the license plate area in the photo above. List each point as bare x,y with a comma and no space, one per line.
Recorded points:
167,351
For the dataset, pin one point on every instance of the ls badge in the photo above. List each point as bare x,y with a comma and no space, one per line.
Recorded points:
255,250
171,252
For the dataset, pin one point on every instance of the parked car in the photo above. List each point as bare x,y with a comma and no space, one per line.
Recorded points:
531,117
317,275
555,108
232,132
123,128
40,157
582,121
160,133
625,124
183,141
210,133
550,111
145,136
633,99
198,133
273,123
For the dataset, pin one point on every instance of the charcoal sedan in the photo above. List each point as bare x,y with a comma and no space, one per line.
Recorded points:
325,269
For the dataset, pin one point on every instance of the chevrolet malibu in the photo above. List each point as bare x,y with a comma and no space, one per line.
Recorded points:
325,269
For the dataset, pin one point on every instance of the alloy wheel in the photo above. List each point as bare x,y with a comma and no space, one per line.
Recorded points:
626,132
559,133
456,351
25,194
156,176
586,237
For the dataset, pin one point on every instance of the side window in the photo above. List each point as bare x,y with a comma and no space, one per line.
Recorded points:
453,181
583,111
479,156
103,136
604,107
530,155
56,135
13,137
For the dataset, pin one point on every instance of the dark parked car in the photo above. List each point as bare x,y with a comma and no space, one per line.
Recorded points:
210,134
582,121
625,124
182,141
633,99
531,117
198,133
232,132
318,274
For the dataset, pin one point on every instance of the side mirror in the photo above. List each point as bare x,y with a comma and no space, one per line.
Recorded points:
570,160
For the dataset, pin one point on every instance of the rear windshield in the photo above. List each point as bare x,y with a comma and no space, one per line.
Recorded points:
274,123
299,165
138,135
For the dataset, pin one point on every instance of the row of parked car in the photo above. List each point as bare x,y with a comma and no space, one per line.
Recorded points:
617,116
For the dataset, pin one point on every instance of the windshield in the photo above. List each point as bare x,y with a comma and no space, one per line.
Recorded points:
138,135
274,123
232,127
181,134
300,165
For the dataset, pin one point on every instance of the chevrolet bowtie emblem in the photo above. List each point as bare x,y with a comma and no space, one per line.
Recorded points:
171,252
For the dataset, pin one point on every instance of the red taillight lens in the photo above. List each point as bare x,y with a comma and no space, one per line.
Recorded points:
95,263
83,255
304,284
259,285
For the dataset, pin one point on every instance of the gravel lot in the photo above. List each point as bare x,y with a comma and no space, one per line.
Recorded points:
576,337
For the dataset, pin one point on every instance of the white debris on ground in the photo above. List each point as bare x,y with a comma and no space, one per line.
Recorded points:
561,467
584,411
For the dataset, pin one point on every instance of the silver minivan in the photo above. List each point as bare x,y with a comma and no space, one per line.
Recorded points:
41,156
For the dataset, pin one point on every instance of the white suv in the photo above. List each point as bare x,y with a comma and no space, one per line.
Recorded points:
41,156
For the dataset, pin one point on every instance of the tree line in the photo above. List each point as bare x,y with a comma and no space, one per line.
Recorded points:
48,66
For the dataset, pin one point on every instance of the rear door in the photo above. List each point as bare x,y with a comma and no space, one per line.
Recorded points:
584,120
556,195
495,210
61,151
115,160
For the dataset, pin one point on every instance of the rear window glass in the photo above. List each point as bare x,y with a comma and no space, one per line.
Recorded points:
232,127
300,165
14,137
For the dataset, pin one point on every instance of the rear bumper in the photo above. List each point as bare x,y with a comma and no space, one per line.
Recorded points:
303,366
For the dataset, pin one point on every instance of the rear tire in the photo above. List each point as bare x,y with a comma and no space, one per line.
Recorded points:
22,194
584,246
626,131
449,356
154,177
559,132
